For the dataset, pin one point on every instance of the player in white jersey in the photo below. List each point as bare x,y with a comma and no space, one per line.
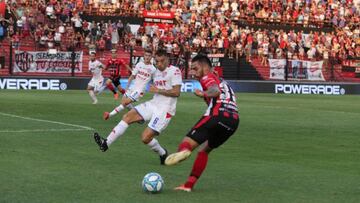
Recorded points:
96,82
141,75
158,111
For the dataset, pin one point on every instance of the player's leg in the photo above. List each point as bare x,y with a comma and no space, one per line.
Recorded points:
91,92
109,85
159,121
122,90
98,86
101,87
221,130
127,99
117,84
140,112
148,138
197,169
184,151
118,130
195,137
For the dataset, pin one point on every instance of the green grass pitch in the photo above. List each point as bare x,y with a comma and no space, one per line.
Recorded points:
288,148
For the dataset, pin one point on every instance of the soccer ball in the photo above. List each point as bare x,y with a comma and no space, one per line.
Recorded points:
152,182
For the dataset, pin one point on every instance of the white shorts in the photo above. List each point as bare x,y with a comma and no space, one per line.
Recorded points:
134,95
159,120
96,83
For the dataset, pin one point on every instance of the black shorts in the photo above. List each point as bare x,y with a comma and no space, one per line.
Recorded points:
115,81
214,129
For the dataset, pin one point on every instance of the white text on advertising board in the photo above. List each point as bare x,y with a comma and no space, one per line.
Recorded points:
28,84
309,89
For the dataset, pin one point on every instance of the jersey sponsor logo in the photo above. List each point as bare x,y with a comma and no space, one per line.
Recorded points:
144,73
309,89
32,84
160,83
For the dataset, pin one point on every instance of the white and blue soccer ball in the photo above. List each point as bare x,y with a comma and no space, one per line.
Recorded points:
153,183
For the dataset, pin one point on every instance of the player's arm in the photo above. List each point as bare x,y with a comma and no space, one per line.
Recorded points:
128,67
131,78
174,92
122,62
212,91
107,65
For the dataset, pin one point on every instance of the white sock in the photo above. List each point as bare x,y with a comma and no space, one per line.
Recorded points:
101,89
92,95
117,110
155,146
117,132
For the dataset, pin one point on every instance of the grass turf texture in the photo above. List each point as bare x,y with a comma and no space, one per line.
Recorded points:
289,148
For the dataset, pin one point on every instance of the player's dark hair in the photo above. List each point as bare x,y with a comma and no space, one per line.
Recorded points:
201,58
148,50
162,52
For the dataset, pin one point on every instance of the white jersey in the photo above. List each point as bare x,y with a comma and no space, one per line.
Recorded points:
143,74
95,69
165,80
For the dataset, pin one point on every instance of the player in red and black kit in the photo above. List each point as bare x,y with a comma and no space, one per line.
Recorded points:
114,66
219,122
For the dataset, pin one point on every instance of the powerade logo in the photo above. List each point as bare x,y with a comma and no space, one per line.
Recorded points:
309,89
28,84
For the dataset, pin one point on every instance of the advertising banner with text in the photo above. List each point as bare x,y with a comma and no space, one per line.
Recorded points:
44,62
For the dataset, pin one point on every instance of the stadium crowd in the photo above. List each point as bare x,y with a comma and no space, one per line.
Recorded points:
202,25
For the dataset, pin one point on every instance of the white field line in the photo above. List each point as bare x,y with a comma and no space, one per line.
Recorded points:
48,121
39,130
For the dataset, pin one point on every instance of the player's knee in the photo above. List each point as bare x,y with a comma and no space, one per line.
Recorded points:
126,117
130,117
146,139
125,101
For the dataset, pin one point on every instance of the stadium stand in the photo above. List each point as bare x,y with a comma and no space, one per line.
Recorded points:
248,32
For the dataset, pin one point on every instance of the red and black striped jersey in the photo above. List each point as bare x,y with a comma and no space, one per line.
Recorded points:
225,103
114,66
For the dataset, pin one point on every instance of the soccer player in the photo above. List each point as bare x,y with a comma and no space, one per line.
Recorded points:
141,74
158,111
97,80
219,122
114,66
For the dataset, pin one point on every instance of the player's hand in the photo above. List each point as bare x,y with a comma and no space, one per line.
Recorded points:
199,93
153,89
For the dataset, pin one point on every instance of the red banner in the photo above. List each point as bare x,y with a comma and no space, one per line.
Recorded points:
158,14
2,8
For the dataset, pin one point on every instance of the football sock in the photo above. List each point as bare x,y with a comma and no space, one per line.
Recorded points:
155,146
92,95
198,168
101,89
111,88
117,132
116,110
184,146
